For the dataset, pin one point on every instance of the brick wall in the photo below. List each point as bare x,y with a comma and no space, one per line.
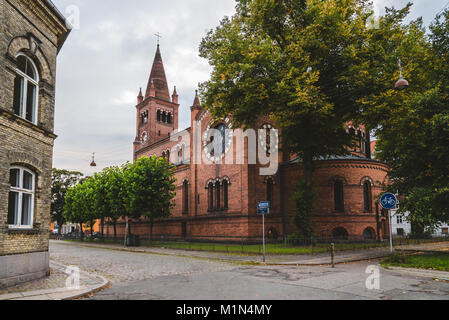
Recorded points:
22,143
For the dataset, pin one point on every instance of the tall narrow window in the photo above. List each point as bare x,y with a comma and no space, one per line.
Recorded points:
26,85
21,198
211,195
367,197
338,196
225,194
159,116
169,118
185,192
217,195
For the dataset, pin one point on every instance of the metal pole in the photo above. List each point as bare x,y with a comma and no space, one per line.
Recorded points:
333,255
263,236
391,232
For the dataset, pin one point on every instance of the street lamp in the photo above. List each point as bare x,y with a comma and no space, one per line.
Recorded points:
401,84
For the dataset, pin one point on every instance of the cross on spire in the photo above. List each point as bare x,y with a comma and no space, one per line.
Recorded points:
158,35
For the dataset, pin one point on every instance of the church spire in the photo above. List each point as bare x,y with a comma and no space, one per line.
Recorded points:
196,102
158,78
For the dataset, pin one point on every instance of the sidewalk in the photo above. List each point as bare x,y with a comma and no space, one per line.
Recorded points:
305,260
54,286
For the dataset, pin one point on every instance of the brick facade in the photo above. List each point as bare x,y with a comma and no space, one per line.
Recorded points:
36,29
246,186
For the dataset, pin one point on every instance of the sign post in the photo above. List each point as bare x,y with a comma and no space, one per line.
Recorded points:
389,201
263,208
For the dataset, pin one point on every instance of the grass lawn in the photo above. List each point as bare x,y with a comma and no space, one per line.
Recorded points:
246,249
427,261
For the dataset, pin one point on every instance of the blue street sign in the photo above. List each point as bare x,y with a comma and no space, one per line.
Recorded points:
388,201
263,207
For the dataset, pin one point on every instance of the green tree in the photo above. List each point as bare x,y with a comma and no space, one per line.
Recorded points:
62,181
415,143
115,195
75,207
150,189
311,66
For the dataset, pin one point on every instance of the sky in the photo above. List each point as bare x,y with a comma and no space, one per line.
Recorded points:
108,57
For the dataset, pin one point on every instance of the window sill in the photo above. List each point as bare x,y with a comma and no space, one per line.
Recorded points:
23,231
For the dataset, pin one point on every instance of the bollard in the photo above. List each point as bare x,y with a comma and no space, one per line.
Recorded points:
333,254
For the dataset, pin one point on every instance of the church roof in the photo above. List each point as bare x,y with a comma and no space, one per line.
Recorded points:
158,78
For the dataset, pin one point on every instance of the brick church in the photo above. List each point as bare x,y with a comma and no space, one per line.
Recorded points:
218,201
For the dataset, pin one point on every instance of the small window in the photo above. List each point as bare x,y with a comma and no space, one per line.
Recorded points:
21,198
217,195
445,231
400,232
26,88
211,195
400,219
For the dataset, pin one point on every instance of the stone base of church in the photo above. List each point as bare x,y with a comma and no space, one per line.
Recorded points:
238,228
20,268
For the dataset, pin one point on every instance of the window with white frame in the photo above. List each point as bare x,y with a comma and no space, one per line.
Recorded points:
26,89
21,198
399,219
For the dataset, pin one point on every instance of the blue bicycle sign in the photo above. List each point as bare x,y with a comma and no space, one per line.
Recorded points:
388,201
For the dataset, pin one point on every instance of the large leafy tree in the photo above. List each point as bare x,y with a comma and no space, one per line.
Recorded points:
149,189
115,195
415,142
311,66
62,181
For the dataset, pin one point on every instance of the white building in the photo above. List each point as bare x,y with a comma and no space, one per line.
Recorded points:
402,228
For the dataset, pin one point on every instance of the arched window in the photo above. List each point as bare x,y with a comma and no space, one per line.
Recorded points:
217,195
164,117
169,118
185,193
340,234
369,234
367,197
159,116
222,141
21,198
225,194
26,89
168,155
211,195
338,196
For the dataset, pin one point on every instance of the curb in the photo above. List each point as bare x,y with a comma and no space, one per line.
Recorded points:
58,293
422,273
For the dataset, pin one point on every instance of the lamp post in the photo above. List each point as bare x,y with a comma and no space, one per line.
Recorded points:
401,84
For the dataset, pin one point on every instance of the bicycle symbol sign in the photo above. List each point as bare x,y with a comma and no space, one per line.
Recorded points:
388,201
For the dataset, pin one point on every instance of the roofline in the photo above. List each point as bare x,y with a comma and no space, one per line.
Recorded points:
50,5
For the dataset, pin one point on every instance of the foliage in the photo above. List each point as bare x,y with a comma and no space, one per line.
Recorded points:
414,139
149,188
303,199
145,187
62,180
426,261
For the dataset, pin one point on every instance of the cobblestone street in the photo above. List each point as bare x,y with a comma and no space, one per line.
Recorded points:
156,276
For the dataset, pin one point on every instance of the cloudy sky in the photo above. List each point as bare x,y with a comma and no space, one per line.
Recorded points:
104,63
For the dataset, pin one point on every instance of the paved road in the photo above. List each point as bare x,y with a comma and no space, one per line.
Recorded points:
142,276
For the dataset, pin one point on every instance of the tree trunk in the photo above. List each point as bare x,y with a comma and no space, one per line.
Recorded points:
82,233
115,231
151,230
91,230
308,166
102,229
